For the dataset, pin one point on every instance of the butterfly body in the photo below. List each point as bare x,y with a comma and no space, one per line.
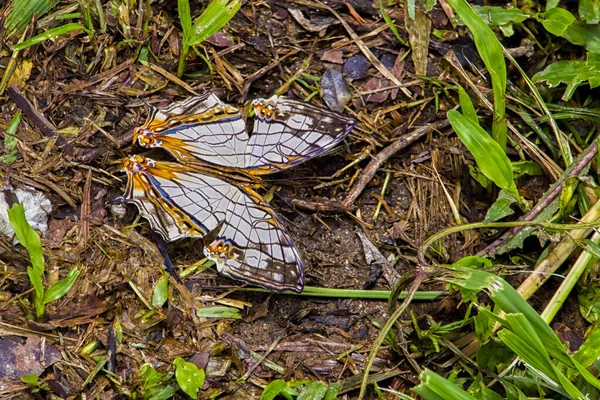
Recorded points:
213,184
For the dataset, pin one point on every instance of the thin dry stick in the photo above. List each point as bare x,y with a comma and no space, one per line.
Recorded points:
380,158
47,127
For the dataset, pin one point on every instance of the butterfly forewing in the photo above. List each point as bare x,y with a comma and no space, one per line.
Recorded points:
288,132
201,128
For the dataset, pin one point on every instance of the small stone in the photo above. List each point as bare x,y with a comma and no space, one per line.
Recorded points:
334,90
37,208
357,67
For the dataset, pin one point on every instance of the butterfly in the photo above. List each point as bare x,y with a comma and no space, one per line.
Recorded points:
212,186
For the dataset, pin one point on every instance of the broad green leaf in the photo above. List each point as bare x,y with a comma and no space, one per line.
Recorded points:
150,376
573,73
27,237
161,292
589,351
466,105
49,34
490,51
566,200
216,15
589,303
530,168
332,391
189,377
493,354
273,389
314,391
489,155
31,379
589,11
435,387
584,35
557,20
219,312
501,207
60,288
498,16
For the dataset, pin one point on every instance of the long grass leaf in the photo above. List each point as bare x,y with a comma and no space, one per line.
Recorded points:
185,17
49,34
490,50
216,15
435,387
22,13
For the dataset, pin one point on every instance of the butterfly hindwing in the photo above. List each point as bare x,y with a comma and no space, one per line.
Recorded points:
289,132
253,246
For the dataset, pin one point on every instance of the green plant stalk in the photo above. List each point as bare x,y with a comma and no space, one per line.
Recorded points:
384,331
185,49
569,283
479,225
312,291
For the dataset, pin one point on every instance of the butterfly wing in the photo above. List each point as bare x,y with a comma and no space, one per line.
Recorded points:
199,128
177,202
253,246
288,132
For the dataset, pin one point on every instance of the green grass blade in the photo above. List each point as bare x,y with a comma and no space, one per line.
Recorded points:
22,13
216,15
62,287
185,17
490,157
312,291
49,34
391,24
27,237
490,50
435,387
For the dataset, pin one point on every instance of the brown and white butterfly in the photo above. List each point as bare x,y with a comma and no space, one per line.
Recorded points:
213,184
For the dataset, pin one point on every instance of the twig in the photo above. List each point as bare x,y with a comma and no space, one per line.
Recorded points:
322,205
380,158
47,127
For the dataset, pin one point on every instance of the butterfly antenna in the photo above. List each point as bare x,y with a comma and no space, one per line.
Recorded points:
162,247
